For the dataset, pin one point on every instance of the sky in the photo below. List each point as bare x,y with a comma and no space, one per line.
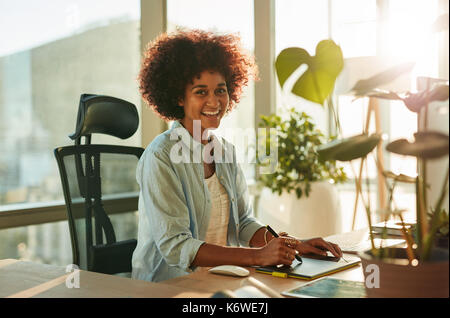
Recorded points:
29,23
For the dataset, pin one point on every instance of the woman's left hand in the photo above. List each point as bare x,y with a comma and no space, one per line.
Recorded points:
320,244
313,246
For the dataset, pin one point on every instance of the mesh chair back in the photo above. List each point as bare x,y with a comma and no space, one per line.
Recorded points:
98,178
96,246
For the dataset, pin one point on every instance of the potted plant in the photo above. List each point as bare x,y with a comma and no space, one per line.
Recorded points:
316,85
299,195
420,269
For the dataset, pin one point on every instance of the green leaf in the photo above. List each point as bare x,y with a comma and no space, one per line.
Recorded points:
415,101
288,61
298,165
362,87
399,177
427,145
349,148
317,82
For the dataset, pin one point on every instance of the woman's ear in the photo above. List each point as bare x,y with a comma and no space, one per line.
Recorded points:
181,102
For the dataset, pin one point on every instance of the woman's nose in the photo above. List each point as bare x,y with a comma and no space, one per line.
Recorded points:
212,100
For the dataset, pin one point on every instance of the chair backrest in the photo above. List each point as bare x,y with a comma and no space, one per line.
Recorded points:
94,177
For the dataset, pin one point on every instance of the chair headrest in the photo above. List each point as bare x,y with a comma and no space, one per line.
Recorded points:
105,115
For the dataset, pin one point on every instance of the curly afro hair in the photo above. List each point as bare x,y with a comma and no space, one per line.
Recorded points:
172,61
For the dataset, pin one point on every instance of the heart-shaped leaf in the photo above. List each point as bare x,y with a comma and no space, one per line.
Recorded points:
288,61
414,101
362,87
349,148
317,82
427,145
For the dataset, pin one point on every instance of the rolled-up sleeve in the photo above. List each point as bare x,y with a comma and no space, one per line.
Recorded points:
167,212
248,225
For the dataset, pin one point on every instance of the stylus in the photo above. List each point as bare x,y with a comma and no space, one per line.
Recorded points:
276,235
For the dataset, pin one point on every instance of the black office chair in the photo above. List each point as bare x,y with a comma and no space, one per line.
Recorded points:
86,182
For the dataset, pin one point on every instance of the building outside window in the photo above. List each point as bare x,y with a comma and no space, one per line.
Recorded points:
64,49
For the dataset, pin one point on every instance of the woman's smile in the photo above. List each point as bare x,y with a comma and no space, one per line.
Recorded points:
211,113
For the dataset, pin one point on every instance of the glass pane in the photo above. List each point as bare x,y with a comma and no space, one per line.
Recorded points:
50,243
66,48
352,117
234,16
410,35
300,23
403,124
354,26
46,243
410,38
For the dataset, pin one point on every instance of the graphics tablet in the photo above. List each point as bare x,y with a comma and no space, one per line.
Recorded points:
313,266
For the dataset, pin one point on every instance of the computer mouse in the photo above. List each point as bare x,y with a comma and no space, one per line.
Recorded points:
230,270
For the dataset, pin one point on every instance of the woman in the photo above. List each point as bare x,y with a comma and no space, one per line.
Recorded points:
196,213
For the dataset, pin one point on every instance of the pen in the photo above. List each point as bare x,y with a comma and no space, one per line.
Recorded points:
276,235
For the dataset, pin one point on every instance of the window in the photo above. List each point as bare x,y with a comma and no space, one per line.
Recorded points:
410,38
66,48
234,16
350,23
300,23
396,30
354,26
49,243
410,35
45,65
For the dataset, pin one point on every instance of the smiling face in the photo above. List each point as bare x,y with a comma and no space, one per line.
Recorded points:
205,99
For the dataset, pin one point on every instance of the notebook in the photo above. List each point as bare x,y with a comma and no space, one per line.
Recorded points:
391,228
313,266
329,287
360,242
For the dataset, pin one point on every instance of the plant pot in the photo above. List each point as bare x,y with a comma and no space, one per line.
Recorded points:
442,241
394,277
307,217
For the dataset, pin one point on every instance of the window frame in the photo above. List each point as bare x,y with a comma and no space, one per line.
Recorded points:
24,214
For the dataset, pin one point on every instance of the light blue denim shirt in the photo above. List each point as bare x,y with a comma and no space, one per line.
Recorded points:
174,204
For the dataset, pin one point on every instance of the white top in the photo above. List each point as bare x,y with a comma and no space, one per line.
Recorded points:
220,212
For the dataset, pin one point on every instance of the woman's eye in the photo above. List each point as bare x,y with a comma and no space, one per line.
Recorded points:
201,92
221,91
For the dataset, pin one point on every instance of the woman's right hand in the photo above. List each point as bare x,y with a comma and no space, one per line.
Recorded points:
276,252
